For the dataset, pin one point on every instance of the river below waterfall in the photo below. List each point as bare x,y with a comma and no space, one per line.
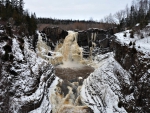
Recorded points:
71,69
66,96
72,74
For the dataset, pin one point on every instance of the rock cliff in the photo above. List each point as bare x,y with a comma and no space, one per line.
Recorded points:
24,77
137,63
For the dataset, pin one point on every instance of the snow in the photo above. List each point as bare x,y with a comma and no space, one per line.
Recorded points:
149,71
45,105
16,50
53,86
28,71
1,47
137,24
101,90
142,45
1,31
129,97
148,25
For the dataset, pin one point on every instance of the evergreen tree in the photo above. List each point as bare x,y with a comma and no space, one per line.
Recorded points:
13,10
14,3
21,6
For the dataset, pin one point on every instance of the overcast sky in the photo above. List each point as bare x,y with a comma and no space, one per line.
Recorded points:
77,9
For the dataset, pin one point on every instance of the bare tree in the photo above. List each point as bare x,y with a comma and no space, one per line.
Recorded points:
135,5
145,6
127,12
91,19
109,19
120,15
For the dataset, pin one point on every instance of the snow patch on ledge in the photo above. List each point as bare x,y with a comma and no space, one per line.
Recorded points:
142,45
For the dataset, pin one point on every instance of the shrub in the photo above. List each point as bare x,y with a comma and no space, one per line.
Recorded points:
120,104
134,43
142,36
134,51
7,48
11,57
9,42
21,40
125,34
131,34
21,47
130,43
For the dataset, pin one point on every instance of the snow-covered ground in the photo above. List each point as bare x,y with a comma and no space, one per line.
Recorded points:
142,45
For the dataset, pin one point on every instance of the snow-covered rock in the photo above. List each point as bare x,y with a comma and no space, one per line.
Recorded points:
102,89
141,44
135,58
25,78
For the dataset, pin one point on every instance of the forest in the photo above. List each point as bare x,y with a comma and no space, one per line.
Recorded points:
12,14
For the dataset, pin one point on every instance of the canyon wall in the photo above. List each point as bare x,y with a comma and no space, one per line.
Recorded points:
53,36
137,63
97,39
24,77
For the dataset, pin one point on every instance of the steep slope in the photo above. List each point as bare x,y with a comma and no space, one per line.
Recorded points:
121,82
134,56
24,77
102,89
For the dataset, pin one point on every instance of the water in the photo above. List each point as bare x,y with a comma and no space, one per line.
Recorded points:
70,49
72,73
71,69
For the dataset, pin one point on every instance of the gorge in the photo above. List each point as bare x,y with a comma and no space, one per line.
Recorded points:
50,65
89,71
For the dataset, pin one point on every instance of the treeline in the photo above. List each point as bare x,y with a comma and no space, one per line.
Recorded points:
138,12
69,24
61,21
12,12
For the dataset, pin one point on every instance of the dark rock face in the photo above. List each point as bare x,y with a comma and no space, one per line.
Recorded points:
54,35
101,38
137,64
82,38
92,37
